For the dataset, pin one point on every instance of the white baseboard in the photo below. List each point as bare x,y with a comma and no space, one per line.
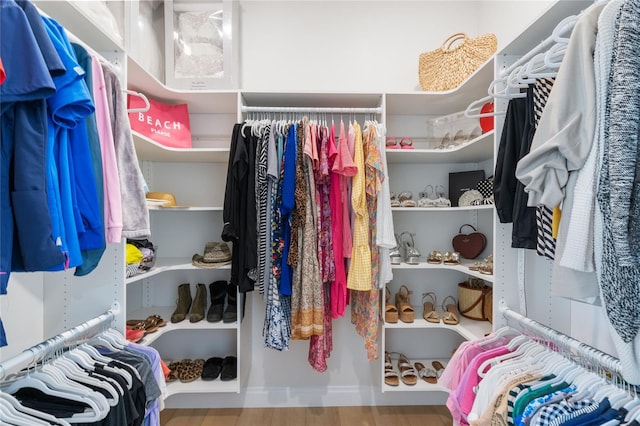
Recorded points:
333,396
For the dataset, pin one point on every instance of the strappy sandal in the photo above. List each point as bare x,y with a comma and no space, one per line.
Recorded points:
404,305
406,199
437,365
429,312
451,258
411,254
390,310
450,315
394,253
441,200
408,373
149,325
487,267
434,257
424,197
394,200
391,377
429,375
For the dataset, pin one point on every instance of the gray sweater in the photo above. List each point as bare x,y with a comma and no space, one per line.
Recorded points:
618,193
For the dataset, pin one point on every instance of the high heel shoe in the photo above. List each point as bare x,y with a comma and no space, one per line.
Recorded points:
395,254
390,310
412,254
405,309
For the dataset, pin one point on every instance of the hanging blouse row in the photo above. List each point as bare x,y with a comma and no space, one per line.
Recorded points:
567,170
311,226
66,144
507,380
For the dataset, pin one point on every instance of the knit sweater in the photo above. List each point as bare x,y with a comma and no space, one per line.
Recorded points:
617,192
578,253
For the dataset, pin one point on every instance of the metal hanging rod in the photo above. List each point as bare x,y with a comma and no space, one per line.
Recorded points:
377,110
62,340
595,356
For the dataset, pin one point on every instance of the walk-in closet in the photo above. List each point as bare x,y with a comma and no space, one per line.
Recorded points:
236,205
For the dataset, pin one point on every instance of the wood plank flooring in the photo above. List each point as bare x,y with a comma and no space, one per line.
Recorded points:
312,416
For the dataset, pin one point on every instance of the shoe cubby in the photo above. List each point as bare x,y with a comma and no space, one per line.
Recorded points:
424,173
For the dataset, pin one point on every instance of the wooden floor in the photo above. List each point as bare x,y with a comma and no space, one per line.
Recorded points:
313,416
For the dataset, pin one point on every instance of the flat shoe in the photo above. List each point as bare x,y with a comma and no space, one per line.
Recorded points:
408,374
427,374
212,368
450,315
229,369
429,312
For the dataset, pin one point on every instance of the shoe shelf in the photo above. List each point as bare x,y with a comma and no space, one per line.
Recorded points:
165,312
474,151
467,328
202,386
148,149
421,386
164,264
441,209
463,267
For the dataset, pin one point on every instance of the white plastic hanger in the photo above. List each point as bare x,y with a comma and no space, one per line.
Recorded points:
9,415
74,372
12,402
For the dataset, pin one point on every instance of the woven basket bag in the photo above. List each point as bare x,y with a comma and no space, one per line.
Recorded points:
448,66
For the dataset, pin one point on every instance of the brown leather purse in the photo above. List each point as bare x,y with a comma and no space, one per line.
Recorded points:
469,245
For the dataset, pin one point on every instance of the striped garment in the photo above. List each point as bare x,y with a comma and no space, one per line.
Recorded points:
261,204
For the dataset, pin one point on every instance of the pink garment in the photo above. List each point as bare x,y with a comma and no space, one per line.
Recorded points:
456,367
460,401
110,174
339,285
346,167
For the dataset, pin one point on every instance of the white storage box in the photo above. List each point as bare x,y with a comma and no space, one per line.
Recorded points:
201,44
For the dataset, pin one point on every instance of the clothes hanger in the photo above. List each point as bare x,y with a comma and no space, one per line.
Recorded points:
12,403
9,415
75,373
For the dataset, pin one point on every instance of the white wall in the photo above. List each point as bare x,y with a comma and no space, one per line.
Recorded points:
507,18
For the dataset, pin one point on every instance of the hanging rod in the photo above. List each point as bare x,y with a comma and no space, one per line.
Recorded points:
62,340
596,356
377,110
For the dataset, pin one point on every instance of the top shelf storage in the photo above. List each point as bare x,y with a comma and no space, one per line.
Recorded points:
312,100
200,102
442,103
72,18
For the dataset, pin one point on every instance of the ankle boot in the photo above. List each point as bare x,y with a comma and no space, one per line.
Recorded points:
184,303
199,304
217,291
231,313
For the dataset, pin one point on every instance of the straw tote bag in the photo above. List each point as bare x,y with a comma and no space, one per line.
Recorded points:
448,66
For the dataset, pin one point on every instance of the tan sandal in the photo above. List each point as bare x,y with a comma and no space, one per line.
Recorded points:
408,373
404,305
390,310
437,365
429,375
429,312
450,315
435,257
391,377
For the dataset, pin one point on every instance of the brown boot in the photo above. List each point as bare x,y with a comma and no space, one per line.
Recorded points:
184,303
199,304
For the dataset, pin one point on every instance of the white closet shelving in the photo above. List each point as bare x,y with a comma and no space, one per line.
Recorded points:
434,227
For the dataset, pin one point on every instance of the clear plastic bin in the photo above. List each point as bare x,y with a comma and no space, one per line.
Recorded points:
450,131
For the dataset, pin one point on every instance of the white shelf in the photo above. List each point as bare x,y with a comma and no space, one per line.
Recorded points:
74,20
148,149
421,386
164,264
200,102
165,312
467,328
312,100
201,386
442,209
442,103
463,267
474,151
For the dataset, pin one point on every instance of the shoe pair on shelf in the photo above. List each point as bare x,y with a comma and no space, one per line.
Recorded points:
484,266
448,258
409,372
402,307
188,370
433,198
449,310
404,199
411,254
138,328
219,291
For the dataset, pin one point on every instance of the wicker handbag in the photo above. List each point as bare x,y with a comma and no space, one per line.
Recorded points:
473,300
448,66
